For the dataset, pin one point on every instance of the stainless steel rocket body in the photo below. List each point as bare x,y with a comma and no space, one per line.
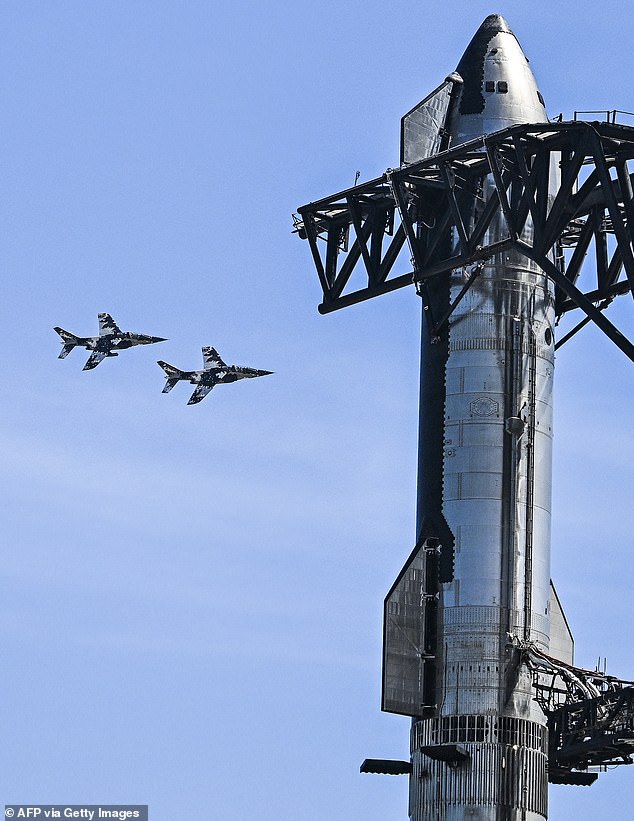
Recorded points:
484,493
476,646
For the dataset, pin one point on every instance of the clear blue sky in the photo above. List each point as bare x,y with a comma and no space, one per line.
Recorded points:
192,596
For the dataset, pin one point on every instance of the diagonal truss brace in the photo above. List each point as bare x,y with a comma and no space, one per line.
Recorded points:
424,204
590,715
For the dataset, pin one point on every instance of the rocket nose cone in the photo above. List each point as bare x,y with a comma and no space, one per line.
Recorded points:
494,24
498,89
473,58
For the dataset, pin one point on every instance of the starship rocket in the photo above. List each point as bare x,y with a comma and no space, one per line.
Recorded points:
477,584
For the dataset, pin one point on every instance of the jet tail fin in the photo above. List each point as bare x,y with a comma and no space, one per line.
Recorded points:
170,371
172,374
67,337
69,340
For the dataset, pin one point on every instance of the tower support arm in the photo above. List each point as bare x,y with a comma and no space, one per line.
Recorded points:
580,299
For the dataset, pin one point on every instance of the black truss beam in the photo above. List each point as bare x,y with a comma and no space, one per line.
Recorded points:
590,717
594,732
581,301
358,236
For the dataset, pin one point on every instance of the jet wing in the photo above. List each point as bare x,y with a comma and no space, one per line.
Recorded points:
107,325
211,359
94,359
202,389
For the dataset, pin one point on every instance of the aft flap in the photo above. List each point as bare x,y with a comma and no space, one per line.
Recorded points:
562,643
404,653
423,128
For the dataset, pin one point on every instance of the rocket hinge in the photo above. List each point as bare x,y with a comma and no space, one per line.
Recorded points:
424,597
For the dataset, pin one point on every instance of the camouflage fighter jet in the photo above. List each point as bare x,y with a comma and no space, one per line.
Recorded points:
214,371
111,339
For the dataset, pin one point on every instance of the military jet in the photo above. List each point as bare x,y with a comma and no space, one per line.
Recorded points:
111,339
214,371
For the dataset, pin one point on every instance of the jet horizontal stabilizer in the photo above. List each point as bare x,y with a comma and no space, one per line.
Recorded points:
170,384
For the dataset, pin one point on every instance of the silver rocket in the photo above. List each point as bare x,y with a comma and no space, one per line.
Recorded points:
478,582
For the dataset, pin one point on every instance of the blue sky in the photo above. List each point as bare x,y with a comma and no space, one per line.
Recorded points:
192,596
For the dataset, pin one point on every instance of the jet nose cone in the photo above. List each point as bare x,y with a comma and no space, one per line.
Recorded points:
158,339
263,373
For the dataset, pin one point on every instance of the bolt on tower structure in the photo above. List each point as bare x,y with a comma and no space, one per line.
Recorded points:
497,208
